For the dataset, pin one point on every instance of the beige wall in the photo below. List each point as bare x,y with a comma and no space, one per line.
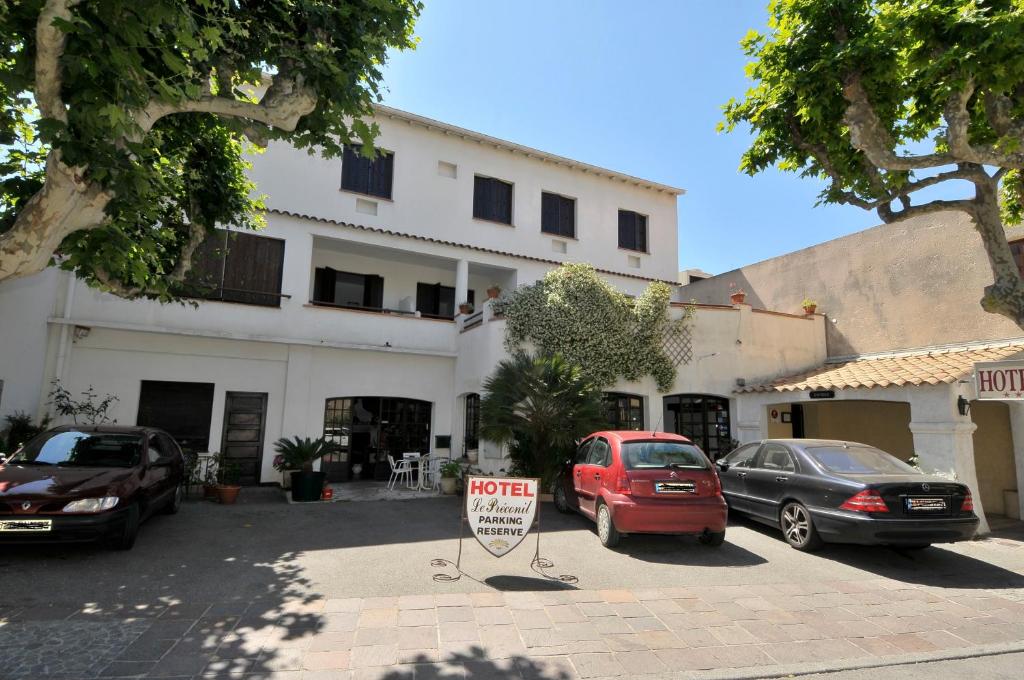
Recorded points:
883,424
993,454
910,284
776,428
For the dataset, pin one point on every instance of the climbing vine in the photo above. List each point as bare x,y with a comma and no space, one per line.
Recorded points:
574,312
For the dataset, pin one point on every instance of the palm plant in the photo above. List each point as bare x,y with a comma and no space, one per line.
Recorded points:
298,453
539,405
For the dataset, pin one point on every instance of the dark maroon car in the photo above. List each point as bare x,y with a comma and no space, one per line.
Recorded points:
89,482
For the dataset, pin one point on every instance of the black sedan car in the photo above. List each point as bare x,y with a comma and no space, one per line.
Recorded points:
84,483
822,491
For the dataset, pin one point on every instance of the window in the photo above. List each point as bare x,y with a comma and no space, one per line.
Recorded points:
433,299
182,409
371,176
583,451
492,200
632,231
345,289
558,215
472,432
234,266
744,456
600,453
776,457
652,455
625,411
860,460
1017,249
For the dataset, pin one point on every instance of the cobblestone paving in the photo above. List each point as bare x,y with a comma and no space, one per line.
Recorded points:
555,634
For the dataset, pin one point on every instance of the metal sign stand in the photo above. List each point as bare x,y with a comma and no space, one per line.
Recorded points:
538,564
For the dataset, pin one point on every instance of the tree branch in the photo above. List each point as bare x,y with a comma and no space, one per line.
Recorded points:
888,215
958,124
50,42
868,134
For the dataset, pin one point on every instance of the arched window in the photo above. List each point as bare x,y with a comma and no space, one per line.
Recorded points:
702,418
625,411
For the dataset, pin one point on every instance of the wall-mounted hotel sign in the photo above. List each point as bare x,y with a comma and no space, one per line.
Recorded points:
1001,380
501,512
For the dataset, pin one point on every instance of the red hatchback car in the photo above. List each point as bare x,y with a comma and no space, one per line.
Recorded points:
643,483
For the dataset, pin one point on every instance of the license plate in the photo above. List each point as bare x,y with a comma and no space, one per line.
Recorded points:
25,525
926,504
675,487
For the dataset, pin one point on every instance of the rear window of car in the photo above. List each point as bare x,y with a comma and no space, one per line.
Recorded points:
654,455
859,460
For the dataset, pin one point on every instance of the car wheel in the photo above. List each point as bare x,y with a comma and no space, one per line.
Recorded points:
712,538
126,539
175,503
798,528
561,500
606,530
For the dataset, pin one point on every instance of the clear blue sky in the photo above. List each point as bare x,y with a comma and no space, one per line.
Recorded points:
631,86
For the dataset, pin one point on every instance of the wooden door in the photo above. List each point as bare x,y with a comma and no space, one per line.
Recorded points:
245,415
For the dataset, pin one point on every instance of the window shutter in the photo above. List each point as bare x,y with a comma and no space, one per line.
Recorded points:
641,233
373,292
503,201
627,231
379,170
329,281
567,216
480,197
549,218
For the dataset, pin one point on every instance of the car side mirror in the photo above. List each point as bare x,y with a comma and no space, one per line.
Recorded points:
721,465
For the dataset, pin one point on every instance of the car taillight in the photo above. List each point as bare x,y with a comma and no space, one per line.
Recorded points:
717,484
968,504
622,484
867,500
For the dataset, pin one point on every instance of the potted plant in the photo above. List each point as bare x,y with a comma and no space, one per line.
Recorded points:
286,473
450,472
736,295
210,477
809,305
299,454
466,308
493,291
228,475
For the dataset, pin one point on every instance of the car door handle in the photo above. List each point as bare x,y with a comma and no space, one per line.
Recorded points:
579,474
781,479
597,475
741,474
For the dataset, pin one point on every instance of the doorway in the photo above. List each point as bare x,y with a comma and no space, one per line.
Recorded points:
245,415
702,418
369,429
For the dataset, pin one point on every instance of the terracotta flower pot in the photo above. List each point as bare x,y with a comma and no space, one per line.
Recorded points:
209,491
810,309
227,495
738,298
493,292
466,308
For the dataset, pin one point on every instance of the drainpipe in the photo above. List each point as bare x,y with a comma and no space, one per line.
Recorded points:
65,328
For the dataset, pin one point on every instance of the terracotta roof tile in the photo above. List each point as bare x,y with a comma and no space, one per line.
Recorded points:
932,367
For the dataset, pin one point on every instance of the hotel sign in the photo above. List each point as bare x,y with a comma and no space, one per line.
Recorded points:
500,511
1001,380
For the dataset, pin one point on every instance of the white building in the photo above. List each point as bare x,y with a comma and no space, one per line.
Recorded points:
340,317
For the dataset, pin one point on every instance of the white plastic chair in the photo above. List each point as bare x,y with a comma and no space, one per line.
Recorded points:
430,474
400,470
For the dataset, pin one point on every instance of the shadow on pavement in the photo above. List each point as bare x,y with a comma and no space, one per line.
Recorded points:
934,566
477,667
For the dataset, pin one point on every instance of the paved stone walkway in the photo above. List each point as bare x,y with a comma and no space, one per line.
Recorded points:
561,634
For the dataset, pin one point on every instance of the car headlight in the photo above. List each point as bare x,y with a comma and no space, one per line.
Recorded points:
92,504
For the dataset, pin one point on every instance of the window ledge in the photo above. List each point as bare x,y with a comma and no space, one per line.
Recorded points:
372,197
504,224
637,252
566,238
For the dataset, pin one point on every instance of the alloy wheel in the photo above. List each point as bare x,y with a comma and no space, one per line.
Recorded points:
604,522
796,524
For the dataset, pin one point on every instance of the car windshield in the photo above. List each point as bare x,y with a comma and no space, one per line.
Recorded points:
660,455
82,449
859,460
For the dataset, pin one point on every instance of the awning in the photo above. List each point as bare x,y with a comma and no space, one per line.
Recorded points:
924,367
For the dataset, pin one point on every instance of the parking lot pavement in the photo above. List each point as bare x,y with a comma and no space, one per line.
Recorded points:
341,590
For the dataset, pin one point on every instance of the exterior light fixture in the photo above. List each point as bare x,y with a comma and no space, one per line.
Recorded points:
963,406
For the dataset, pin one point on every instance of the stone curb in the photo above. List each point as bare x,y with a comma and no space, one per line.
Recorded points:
812,668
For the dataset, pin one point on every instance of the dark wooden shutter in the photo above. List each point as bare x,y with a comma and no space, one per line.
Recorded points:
641,233
549,213
381,169
373,291
204,278
355,170
183,409
253,269
566,216
502,201
627,230
427,298
323,285
480,196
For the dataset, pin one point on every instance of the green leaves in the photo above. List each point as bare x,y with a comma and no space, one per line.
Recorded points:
575,313
121,56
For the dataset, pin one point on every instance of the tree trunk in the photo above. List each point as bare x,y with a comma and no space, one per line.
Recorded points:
1006,294
65,204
